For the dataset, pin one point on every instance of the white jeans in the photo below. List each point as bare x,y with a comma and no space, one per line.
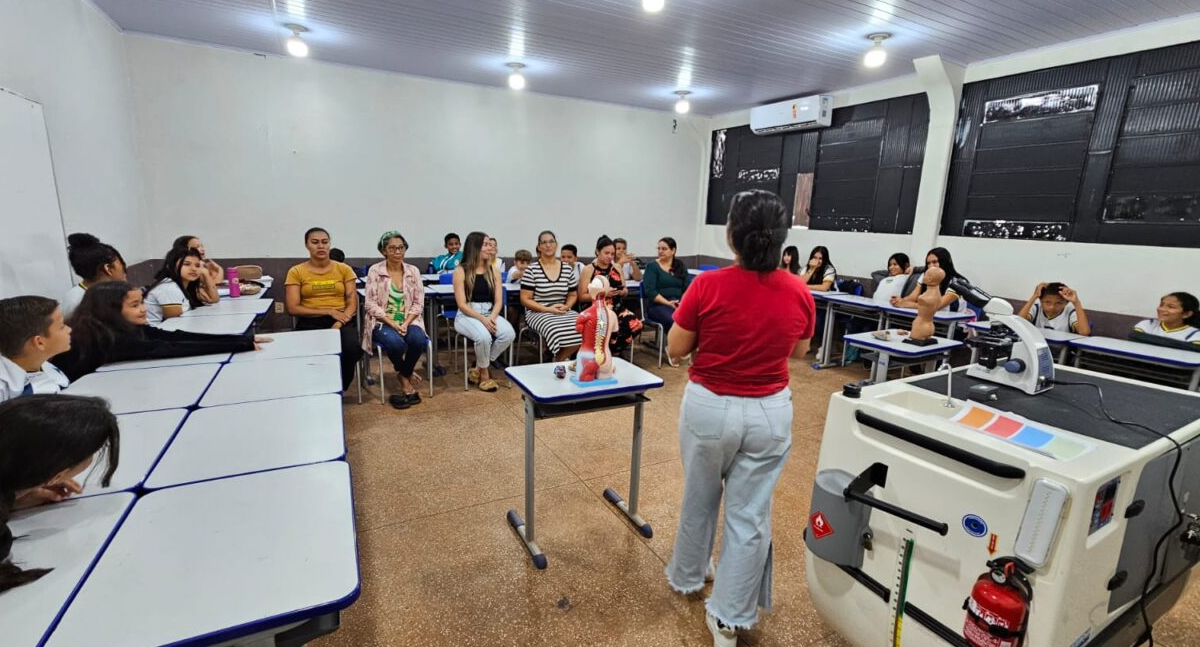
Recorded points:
744,443
487,347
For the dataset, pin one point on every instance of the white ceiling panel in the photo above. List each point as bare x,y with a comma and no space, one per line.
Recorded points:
730,54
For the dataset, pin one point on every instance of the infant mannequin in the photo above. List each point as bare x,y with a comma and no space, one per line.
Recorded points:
928,303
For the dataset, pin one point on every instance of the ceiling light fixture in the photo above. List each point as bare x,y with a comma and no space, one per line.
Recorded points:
295,45
876,56
653,6
516,80
683,106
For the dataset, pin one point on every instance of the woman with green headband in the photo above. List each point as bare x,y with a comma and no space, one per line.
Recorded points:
393,310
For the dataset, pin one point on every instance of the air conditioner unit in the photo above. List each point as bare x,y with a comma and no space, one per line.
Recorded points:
794,114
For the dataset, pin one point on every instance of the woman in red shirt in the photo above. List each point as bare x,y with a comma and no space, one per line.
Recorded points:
735,426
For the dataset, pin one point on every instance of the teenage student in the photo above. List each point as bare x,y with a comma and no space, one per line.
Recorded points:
444,263
110,325
321,294
215,272
820,274
937,257
626,261
393,316
1056,307
1178,319
31,332
665,282
94,262
520,263
735,422
893,280
180,285
790,260
479,293
570,256
45,442
548,292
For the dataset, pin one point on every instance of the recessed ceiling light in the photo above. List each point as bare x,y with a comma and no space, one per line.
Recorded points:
516,80
295,45
683,106
654,6
877,55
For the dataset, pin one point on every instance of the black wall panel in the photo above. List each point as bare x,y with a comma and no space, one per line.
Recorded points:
1126,171
866,166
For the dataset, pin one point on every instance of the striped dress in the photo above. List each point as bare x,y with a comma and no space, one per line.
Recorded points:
558,330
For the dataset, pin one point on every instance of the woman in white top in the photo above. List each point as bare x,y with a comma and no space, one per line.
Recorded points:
94,262
820,274
181,284
1055,306
215,272
1178,319
491,247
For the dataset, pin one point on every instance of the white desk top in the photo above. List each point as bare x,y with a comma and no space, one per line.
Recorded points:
144,436
223,291
300,343
431,278
440,290
151,389
254,437
165,362
1148,352
940,315
855,300
1053,337
896,346
68,537
232,307
280,378
212,325
539,383
220,560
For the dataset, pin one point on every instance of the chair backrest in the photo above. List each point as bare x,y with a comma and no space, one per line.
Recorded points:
705,268
446,279
361,272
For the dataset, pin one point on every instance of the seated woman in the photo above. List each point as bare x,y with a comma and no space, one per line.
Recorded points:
548,291
937,257
1055,306
790,260
45,442
1178,319
215,272
479,293
891,282
492,248
663,283
393,315
321,294
820,274
94,262
110,325
628,324
181,284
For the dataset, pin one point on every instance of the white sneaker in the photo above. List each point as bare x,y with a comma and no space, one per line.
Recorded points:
722,636
710,573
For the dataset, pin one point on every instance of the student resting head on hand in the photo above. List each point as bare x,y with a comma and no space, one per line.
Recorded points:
1054,306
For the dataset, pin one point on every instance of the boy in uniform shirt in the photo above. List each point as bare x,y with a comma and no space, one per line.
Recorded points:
447,262
1056,307
31,332
520,263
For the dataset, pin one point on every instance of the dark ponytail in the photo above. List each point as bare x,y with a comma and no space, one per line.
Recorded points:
41,436
1189,303
758,224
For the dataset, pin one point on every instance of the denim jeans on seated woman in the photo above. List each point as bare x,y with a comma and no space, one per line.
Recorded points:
402,350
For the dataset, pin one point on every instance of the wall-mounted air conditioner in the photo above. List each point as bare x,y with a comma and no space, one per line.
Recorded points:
794,114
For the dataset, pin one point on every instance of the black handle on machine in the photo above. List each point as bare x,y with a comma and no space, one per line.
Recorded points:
876,475
995,468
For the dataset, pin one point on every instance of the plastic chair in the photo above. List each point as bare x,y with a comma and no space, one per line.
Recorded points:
382,385
705,268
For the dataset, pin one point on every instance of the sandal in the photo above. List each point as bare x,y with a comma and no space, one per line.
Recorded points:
489,385
473,376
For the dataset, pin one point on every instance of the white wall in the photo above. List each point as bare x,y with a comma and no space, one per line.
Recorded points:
252,150
1112,278
67,56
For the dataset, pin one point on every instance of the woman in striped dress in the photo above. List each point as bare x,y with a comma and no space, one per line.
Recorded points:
548,290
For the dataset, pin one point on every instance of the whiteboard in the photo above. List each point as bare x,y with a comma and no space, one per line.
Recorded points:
33,245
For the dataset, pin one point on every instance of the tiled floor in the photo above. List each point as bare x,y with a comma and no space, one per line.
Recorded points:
440,565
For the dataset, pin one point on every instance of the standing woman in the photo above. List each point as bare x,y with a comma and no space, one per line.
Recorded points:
320,294
628,324
479,292
665,280
180,285
735,427
548,291
94,262
393,316
790,260
820,274
214,270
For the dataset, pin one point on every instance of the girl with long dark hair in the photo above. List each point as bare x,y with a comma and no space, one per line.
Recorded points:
181,284
937,257
819,273
1178,318
216,273
790,260
479,293
628,324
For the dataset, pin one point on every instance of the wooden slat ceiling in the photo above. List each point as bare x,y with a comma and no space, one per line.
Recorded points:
730,53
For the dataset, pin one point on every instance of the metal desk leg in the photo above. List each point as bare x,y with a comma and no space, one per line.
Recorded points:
525,528
635,477
1078,357
1193,386
826,338
1062,354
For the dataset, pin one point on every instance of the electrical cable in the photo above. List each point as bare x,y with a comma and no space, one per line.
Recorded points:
1148,635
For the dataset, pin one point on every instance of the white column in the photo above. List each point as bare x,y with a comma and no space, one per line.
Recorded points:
942,82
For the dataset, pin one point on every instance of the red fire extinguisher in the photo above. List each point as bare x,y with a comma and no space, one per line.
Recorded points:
998,607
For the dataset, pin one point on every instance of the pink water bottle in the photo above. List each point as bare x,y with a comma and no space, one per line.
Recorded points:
235,289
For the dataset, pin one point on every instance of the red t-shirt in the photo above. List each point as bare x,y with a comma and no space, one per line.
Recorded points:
747,324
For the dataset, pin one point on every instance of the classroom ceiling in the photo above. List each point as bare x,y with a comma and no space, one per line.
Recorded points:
730,54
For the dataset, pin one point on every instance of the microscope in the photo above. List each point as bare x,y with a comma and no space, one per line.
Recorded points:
1011,351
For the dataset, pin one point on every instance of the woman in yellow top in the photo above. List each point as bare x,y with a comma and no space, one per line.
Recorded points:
320,293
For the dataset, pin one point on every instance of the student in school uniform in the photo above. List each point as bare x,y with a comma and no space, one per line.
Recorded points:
322,294
570,256
215,272
111,325
820,274
1178,319
180,285
937,257
893,280
1055,306
630,271
520,263
548,292
94,262
45,442
790,260
31,332
445,263
394,316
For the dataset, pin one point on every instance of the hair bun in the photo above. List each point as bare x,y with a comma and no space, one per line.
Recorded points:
82,240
